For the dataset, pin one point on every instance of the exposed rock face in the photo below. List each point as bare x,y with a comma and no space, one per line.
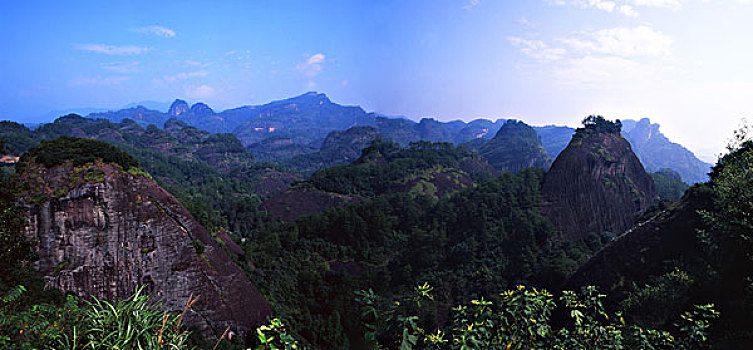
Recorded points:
515,147
107,233
596,184
178,107
656,151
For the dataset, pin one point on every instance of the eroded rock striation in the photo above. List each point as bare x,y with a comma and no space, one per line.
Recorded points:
596,184
103,231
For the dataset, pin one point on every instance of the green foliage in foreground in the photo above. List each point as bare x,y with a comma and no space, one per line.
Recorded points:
517,319
133,323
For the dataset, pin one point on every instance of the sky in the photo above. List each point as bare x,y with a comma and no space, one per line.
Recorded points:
685,64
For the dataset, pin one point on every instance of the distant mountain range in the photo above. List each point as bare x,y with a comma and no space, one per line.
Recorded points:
293,132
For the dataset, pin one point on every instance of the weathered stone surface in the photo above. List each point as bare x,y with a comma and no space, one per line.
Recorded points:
596,184
104,237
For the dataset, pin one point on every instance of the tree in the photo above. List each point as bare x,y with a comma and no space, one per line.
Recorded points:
15,251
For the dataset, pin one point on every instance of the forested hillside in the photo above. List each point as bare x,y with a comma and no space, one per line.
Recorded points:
432,226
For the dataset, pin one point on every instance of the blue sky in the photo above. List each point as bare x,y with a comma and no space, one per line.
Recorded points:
683,63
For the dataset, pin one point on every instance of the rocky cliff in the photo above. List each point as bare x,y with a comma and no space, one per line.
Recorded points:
103,231
515,147
656,151
596,184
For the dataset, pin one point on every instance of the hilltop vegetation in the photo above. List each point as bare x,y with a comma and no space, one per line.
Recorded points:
440,217
77,151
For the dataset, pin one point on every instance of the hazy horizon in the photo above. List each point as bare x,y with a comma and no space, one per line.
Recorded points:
680,63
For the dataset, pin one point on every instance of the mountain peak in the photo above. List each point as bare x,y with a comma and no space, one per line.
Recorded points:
201,108
178,107
596,184
516,146
312,96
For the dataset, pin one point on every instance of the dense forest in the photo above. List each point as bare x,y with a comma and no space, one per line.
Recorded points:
436,250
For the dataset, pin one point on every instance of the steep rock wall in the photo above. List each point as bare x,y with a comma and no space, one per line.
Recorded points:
103,232
596,184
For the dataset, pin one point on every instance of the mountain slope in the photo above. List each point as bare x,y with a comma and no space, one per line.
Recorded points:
515,147
426,169
694,252
280,130
656,151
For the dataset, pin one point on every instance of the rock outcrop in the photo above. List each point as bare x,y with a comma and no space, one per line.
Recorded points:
656,152
515,147
103,231
596,184
178,107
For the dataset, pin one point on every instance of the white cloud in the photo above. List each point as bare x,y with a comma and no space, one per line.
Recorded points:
98,81
604,5
672,4
131,67
625,7
627,10
112,49
621,41
537,49
169,79
613,58
239,58
156,30
469,4
601,73
199,91
312,66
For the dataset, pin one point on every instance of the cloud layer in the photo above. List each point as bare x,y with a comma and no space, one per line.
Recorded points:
156,30
112,49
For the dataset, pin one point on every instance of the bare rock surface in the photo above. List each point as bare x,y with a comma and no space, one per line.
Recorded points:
103,232
596,184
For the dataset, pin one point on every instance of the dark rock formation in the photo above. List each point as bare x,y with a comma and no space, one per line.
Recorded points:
201,109
178,107
645,249
596,184
103,232
515,147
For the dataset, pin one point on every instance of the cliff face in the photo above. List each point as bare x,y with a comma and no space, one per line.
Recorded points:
515,147
656,151
102,232
596,184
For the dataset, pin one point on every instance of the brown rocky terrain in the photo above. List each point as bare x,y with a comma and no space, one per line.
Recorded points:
102,231
596,184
